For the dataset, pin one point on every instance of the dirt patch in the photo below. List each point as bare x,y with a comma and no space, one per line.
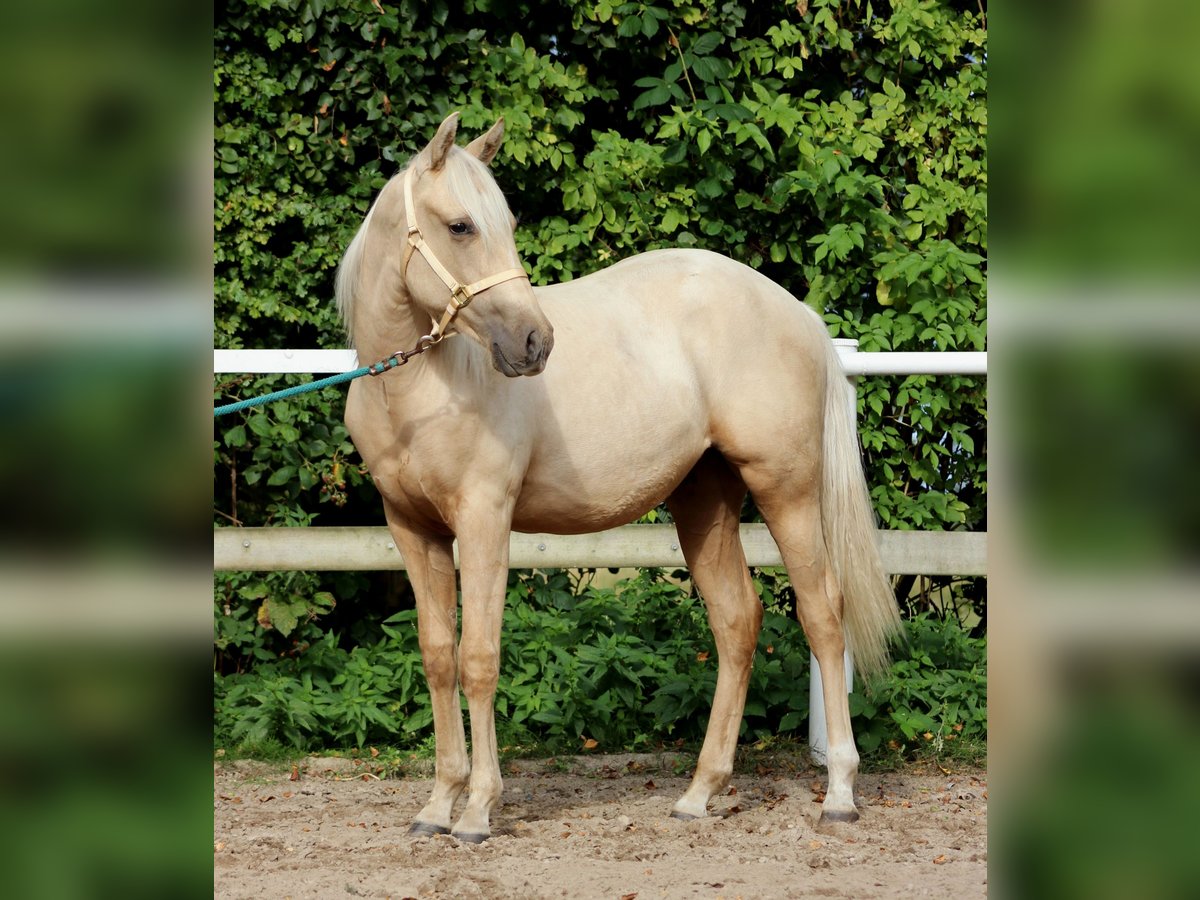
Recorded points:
600,829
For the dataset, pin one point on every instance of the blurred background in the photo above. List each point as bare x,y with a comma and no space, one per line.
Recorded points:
1094,411
105,337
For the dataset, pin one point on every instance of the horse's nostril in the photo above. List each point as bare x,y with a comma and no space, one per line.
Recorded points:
533,345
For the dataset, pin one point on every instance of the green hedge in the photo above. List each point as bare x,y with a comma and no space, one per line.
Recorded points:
839,147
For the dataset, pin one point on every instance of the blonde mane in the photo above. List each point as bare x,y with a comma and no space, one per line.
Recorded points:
346,283
469,183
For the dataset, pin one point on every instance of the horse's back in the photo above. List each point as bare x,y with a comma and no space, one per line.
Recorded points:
698,315
694,292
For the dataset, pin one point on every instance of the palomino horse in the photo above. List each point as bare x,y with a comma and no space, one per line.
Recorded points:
676,375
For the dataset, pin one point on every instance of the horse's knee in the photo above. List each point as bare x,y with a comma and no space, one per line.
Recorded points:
737,656
479,671
438,658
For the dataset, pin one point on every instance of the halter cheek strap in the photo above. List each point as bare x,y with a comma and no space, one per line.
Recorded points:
460,294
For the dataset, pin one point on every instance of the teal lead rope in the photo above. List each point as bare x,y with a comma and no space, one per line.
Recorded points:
379,368
461,296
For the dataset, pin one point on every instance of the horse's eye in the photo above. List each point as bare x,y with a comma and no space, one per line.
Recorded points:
461,228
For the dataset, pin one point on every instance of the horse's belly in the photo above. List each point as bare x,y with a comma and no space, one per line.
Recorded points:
592,490
586,512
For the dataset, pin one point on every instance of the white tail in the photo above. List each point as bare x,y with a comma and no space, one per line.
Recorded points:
870,617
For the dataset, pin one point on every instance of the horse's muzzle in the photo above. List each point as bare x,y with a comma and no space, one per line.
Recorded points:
537,349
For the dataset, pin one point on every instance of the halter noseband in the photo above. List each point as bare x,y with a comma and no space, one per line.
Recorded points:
460,294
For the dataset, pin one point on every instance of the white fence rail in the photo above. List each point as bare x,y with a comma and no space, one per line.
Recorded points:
329,362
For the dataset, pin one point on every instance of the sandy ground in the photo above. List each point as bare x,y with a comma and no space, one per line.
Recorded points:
329,828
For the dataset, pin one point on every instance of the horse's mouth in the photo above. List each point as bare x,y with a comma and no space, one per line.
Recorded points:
516,370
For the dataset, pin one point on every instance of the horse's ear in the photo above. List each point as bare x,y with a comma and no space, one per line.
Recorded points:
485,146
439,147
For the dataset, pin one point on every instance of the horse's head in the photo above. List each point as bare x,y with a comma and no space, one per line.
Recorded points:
460,260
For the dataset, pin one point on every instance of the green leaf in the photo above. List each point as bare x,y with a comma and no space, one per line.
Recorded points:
710,69
652,97
732,112
236,436
282,476
256,590
629,26
283,617
260,424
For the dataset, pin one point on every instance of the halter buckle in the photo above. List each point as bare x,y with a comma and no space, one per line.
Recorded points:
460,297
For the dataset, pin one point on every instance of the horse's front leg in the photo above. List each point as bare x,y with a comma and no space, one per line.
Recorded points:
483,558
430,563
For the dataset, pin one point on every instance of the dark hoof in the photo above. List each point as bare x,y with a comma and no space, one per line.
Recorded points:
425,828
836,818
468,837
682,816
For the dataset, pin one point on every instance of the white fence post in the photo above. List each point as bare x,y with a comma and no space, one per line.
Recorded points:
818,740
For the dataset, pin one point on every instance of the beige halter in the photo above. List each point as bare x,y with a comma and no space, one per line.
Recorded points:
460,294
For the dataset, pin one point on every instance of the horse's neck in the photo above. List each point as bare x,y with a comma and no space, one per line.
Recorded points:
456,366
387,321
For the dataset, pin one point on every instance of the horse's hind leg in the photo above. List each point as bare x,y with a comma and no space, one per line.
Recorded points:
794,519
706,507
430,564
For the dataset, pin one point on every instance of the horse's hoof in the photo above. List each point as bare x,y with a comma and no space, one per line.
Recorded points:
426,828
682,816
833,818
470,837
